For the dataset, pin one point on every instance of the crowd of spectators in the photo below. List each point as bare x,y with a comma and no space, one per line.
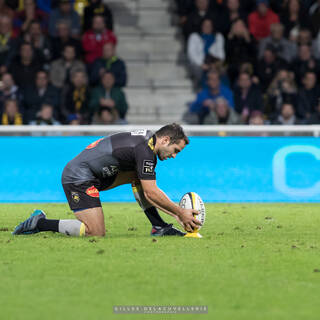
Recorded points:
252,61
58,64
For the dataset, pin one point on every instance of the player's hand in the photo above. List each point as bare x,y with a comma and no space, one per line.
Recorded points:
179,221
188,220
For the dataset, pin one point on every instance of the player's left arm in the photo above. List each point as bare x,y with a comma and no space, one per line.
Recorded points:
160,200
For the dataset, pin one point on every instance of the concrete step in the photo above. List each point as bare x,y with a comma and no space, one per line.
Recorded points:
123,5
173,100
145,57
156,71
145,32
152,45
154,18
143,19
153,4
166,84
138,6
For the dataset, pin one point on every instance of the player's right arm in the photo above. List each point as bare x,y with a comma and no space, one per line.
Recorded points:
160,200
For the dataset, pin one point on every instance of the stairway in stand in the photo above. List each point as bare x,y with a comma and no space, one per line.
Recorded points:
158,88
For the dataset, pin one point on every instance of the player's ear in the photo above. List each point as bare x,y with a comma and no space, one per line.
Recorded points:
166,140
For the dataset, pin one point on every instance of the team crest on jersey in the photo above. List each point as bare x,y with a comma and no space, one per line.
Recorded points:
109,171
93,144
92,192
75,196
148,167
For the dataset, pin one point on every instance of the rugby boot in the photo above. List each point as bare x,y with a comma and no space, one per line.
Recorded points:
168,230
29,226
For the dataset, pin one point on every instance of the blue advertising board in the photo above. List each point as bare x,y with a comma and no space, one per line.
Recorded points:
228,169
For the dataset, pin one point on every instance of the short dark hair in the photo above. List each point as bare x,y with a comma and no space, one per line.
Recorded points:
174,131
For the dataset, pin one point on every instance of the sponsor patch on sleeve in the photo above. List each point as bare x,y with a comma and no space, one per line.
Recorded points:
148,167
93,144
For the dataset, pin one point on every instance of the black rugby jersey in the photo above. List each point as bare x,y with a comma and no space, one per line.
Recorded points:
104,158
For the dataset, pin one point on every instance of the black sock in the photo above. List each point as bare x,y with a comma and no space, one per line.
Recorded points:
48,225
154,217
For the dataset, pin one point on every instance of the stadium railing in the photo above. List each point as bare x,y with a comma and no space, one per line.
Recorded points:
193,130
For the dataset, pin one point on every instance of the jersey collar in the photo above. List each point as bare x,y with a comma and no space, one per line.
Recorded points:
152,142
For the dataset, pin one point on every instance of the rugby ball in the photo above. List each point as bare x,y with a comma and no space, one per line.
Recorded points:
192,200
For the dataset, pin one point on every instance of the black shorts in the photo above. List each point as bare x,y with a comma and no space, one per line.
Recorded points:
85,195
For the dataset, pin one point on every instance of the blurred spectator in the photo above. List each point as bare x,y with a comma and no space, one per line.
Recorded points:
199,109
8,43
39,93
8,90
64,12
233,12
94,39
283,47
109,96
287,115
30,13
109,62
315,116
268,66
294,17
5,10
76,98
248,5
45,5
282,89
194,19
96,7
221,113
315,45
314,13
73,120
215,65
309,95
305,62
260,20
106,116
62,68
247,97
204,46
240,47
39,41
11,114
183,9
62,39
256,118
305,37
45,116
25,66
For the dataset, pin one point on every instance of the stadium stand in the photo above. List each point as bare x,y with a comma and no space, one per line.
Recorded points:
164,56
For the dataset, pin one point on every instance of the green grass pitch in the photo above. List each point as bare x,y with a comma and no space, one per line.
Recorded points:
255,261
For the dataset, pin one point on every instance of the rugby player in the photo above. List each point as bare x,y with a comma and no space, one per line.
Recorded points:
121,158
